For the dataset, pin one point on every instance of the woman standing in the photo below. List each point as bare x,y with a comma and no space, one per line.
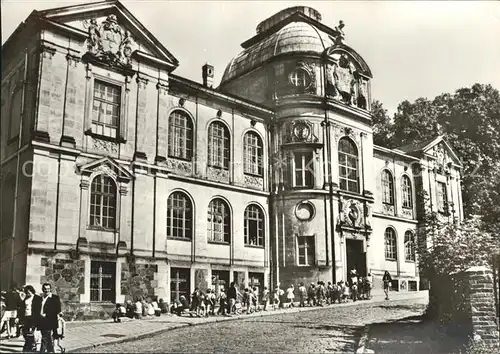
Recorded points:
29,311
387,283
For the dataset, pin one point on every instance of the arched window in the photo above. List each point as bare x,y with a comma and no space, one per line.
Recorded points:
103,203
218,145
252,150
219,221
348,165
180,135
407,194
179,216
254,226
387,188
391,252
409,246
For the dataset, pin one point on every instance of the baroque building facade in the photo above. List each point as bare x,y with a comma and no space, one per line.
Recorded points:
120,178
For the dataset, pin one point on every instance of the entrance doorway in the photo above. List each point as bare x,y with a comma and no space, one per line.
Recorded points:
179,283
256,280
220,280
356,257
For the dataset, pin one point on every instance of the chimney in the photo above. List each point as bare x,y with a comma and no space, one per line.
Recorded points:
207,72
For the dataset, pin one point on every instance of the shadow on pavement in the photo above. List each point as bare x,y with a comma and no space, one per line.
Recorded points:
413,334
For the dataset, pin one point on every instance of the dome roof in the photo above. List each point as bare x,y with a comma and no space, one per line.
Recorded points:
295,37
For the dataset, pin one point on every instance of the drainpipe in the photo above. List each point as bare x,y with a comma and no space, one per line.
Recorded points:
330,182
18,163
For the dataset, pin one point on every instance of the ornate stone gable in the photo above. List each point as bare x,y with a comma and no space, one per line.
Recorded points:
108,166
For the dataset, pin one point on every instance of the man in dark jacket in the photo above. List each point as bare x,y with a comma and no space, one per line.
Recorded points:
49,310
232,293
28,315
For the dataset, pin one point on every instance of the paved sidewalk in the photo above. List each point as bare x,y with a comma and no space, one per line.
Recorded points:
82,335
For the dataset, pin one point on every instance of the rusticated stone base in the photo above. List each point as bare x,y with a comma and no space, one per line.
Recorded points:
67,277
138,280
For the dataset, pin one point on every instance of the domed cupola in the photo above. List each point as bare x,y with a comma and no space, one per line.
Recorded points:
290,56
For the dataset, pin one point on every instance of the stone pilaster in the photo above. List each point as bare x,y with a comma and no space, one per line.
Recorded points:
162,119
41,129
74,89
141,132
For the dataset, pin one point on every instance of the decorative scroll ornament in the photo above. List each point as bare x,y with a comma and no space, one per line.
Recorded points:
109,42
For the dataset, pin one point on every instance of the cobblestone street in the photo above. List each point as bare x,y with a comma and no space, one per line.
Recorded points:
333,329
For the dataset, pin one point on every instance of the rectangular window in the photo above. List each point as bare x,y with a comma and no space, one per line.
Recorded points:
102,281
304,169
442,197
106,109
306,251
179,283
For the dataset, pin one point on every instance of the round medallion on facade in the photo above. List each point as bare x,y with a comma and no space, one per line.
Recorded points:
304,211
301,131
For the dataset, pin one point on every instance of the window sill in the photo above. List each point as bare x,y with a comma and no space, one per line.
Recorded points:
218,167
219,243
391,259
408,208
180,158
389,204
255,246
97,228
306,265
254,174
410,261
89,132
185,239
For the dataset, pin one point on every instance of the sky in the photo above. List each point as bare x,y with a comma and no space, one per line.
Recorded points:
414,49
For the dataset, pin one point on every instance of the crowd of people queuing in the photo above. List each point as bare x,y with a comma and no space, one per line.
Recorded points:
37,317
234,301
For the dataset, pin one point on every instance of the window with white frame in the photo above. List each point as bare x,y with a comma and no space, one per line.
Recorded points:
442,197
252,151
219,221
348,165
102,281
106,109
390,244
254,226
103,203
180,135
387,188
179,216
410,246
300,78
304,169
218,145
306,253
407,192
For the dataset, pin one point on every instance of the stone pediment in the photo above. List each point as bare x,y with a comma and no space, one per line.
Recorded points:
111,32
442,153
108,166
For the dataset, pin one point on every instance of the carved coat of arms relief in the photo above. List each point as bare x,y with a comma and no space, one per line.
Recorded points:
109,41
